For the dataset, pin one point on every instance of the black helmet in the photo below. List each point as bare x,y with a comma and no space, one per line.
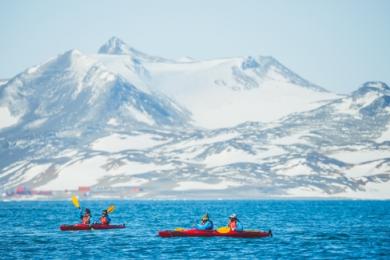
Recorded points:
87,210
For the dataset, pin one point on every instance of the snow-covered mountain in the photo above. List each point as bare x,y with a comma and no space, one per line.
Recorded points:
222,92
234,127
218,93
77,91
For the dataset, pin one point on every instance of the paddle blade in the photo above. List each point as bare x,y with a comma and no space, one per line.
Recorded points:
75,201
179,229
111,208
223,230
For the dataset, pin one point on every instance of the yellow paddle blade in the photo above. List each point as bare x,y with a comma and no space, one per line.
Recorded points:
75,201
223,230
111,208
179,229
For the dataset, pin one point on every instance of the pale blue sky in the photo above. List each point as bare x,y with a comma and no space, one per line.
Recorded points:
337,44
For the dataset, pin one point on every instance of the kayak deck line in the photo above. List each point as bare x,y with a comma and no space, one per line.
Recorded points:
80,227
214,233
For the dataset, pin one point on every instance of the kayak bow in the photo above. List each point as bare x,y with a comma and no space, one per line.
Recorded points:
214,233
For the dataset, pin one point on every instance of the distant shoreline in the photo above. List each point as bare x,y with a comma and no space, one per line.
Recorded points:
203,199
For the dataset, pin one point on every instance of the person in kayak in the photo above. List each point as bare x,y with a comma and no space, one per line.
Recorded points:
234,224
86,216
205,223
105,219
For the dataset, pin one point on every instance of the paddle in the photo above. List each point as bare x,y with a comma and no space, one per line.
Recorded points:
111,208
223,230
179,229
75,201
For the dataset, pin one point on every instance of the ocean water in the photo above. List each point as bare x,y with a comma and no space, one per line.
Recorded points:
302,230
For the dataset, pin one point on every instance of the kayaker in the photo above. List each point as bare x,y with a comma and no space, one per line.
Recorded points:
234,224
105,219
86,216
205,223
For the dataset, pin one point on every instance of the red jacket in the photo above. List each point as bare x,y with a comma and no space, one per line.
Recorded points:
86,219
105,220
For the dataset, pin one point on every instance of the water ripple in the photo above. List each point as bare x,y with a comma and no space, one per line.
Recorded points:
302,229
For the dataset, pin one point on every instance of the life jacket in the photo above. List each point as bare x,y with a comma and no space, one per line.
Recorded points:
207,225
86,219
104,220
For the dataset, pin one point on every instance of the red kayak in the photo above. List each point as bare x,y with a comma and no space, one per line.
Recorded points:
214,233
89,227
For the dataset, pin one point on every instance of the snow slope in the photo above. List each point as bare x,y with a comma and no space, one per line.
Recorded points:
220,92
218,98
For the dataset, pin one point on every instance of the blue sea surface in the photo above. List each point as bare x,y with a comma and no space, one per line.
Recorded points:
301,230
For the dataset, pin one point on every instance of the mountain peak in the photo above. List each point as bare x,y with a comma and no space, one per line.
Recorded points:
73,53
265,64
114,46
372,86
66,59
376,85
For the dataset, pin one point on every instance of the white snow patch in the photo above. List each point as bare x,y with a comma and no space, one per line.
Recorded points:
360,156
80,173
36,123
117,142
185,59
6,118
298,170
295,168
90,171
196,185
133,182
140,116
306,192
113,122
368,169
34,171
367,99
13,172
3,81
123,65
270,152
108,76
385,136
290,139
229,156
208,140
133,168
67,153
373,190
345,107
69,133
32,69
